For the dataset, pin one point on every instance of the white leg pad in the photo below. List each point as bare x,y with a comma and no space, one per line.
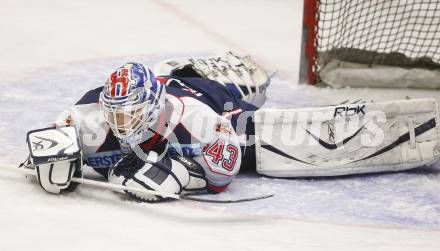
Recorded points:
347,139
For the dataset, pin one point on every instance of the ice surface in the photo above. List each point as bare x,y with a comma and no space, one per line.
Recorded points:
52,56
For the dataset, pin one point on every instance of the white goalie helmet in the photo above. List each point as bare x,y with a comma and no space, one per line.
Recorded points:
132,101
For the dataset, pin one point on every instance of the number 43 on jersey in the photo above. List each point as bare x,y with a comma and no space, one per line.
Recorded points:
222,156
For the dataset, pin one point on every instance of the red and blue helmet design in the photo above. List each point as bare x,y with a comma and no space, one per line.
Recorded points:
128,79
132,100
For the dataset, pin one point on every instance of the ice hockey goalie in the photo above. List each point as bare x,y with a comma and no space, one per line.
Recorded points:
198,123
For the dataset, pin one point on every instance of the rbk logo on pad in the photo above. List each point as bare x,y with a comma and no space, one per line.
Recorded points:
333,146
345,111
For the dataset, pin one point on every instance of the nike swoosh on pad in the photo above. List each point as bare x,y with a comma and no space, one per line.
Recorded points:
331,146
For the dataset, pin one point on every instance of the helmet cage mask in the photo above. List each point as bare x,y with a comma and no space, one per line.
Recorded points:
128,117
132,100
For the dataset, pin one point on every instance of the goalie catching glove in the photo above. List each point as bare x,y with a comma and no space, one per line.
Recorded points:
165,175
55,155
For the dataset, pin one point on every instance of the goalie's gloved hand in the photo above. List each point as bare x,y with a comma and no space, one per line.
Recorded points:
55,155
163,175
57,176
197,180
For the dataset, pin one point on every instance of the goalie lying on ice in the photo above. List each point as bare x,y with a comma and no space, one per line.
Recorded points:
194,127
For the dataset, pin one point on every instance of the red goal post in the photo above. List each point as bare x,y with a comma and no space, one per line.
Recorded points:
380,43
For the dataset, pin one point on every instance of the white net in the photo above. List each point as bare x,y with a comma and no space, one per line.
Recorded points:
404,33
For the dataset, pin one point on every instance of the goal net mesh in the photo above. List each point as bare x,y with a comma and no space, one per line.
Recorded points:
403,33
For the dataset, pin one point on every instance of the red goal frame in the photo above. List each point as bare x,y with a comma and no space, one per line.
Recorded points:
309,42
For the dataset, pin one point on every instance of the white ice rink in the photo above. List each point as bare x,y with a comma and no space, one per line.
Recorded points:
51,52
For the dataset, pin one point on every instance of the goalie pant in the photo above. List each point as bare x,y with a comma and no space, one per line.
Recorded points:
200,122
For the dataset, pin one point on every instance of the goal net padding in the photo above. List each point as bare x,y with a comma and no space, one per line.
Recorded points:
371,43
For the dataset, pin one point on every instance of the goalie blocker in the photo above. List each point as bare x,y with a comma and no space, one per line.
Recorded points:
346,139
55,154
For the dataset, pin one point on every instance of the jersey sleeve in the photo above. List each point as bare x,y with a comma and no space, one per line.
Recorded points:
221,157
